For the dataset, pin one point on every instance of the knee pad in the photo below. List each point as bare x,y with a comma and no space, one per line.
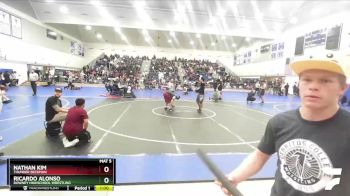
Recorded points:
53,129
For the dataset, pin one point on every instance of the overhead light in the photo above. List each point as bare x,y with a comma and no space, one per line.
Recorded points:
172,33
98,35
88,27
64,9
221,12
191,42
169,41
198,35
276,5
223,37
139,4
276,28
247,39
178,18
293,20
144,31
316,11
50,1
212,20
188,5
259,15
181,8
53,33
234,45
96,3
117,29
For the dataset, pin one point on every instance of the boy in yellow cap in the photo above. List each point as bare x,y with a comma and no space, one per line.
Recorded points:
311,142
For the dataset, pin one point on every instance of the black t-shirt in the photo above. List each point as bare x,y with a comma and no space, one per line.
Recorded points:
49,110
201,88
215,85
220,86
250,95
304,149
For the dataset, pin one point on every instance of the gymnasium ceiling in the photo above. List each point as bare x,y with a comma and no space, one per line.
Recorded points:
201,24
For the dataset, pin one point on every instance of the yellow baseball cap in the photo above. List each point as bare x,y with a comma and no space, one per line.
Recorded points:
331,65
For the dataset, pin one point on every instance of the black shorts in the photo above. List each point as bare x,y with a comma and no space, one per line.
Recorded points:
262,92
200,98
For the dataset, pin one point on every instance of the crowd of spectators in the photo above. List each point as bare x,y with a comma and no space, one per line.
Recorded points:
209,71
125,71
161,72
121,69
9,78
184,73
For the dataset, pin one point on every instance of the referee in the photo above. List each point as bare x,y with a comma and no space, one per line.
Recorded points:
33,78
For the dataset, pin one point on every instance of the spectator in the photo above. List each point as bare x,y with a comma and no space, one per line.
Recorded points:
286,89
7,78
14,79
3,97
2,79
295,89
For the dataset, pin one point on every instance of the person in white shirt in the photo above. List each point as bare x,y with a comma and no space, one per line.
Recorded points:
262,91
33,78
257,88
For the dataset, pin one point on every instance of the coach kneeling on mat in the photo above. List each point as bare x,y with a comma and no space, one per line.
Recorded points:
53,108
75,125
55,114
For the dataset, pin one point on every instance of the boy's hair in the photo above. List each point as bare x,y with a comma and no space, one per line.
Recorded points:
79,101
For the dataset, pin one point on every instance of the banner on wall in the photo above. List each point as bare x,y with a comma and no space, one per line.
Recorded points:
77,48
5,24
16,26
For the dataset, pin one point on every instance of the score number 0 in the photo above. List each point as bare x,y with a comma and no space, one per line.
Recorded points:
106,170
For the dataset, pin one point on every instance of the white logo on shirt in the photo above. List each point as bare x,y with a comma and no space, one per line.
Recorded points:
303,165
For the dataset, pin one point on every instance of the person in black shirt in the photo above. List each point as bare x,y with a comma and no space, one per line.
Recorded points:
53,108
200,94
7,78
215,85
220,86
286,89
250,97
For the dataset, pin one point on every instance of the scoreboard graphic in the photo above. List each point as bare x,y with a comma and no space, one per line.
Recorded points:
61,174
